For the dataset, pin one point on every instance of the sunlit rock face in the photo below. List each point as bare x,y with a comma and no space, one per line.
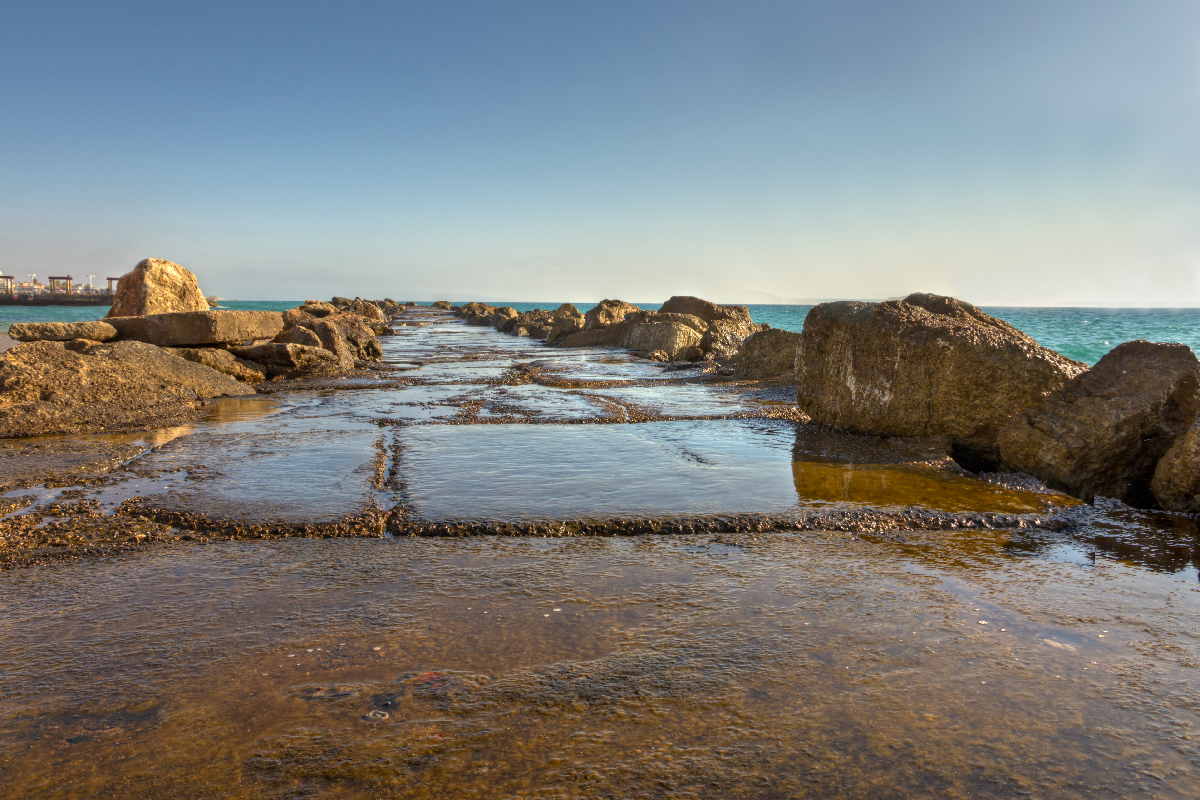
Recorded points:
1104,432
157,286
922,366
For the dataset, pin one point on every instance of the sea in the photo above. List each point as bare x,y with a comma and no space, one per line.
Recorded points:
1084,334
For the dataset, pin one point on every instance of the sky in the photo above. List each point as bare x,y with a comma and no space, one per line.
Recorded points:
1007,153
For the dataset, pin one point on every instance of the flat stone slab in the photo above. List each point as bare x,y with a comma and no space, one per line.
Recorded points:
95,330
192,328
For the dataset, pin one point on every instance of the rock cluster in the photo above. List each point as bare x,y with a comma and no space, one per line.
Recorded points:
684,329
934,366
922,366
155,369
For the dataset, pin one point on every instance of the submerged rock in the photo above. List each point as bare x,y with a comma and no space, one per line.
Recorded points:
193,328
157,286
1104,432
97,331
46,388
923,366
767,354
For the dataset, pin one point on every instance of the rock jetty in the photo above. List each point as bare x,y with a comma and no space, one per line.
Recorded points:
684,329
155,362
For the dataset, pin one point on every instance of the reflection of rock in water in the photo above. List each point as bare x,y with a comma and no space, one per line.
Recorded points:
873,471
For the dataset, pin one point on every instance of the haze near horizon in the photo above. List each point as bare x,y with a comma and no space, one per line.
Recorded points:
1009,154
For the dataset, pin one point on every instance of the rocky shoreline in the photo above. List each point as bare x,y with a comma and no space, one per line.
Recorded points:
964,392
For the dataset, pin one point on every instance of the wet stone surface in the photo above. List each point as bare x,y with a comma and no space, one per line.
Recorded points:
969,664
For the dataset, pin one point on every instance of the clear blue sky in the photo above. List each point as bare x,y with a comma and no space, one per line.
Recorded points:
1006,152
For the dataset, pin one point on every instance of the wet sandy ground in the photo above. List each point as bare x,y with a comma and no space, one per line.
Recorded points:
239,607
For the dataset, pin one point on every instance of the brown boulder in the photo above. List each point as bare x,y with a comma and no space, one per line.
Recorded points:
767,354
317,308
367,310
289,360
192,328
157,286
223,361
705,310
442,304
901,369
299,335
46,388
565,321
504,318
607,312
677,340
97,331
726,326
1176,480
1104,432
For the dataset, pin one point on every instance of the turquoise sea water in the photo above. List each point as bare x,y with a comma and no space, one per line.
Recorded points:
1084,334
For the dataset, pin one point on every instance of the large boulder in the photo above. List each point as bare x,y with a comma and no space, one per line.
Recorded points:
317,308
923,366
194,328
157,286
224,361
606,313
96,331
442,304
1176,480
767,354
1104,432
47,388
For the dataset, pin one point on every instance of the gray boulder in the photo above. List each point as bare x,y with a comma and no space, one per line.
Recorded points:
923,366
157,286
767,354
1105,431
97,331
47,388
194,328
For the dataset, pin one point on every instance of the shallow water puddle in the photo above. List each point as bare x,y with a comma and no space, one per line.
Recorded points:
663,469
765,666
